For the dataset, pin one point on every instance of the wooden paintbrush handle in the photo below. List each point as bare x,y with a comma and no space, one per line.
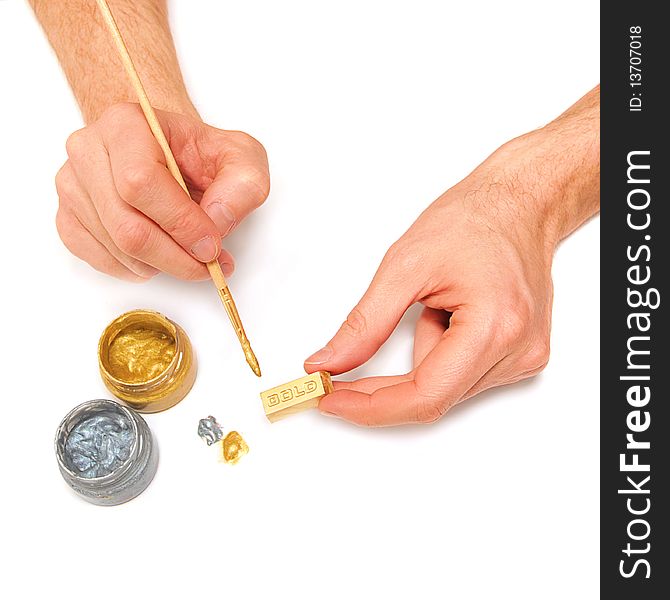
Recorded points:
150,114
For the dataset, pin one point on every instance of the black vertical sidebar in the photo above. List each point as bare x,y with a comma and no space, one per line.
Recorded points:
635,260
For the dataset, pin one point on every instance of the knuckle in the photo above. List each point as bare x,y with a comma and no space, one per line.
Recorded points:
132,236
537,358
355,324
185,227
489,326
68,234
514,322
182,224
429,411
61,179
401,257
394,252
247,142
368,420
135,181
196,271
63,185
256,182
63,228
76,144
430,404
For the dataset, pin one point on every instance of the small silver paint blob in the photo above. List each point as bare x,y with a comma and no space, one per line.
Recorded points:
210,431
99,445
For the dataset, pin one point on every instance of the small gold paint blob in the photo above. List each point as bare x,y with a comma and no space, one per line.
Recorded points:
140,354
234,447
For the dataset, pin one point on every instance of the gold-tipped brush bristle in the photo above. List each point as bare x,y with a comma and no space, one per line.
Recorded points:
234,316
252,361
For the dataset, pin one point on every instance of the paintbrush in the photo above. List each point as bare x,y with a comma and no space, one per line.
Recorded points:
213,266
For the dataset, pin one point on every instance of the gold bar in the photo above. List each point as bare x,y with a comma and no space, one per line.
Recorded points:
297,395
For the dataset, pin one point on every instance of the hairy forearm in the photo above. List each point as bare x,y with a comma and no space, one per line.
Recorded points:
90,62
560,168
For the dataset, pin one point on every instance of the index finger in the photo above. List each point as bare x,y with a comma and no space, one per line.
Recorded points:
144,182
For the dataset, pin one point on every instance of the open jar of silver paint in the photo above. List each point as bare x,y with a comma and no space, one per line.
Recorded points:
106,452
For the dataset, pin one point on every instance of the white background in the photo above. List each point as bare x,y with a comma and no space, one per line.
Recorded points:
368,111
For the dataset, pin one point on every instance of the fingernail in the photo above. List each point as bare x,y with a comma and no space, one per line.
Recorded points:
205,249
227,269
222,216
147,274
320,357
143,271
325,413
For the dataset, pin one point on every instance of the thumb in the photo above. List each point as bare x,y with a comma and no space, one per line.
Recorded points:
368,325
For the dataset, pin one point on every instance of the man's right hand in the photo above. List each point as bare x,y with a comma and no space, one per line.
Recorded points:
121,211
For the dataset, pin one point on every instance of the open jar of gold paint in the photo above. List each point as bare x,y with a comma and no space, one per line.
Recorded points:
146,360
